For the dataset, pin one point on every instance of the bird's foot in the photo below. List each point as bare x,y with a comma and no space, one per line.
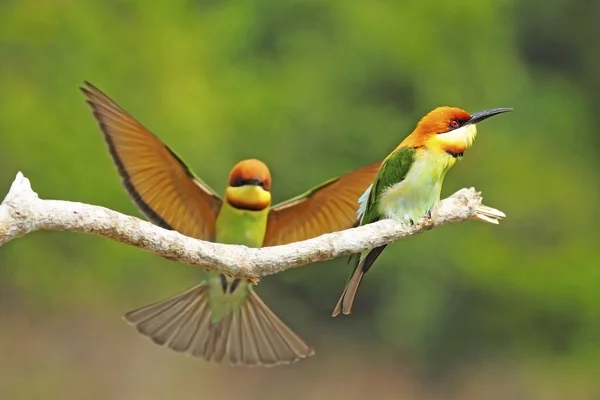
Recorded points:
254,281
427,220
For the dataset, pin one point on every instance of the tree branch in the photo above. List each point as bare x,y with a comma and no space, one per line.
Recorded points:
22,212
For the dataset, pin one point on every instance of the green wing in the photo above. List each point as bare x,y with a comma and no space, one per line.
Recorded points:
393,170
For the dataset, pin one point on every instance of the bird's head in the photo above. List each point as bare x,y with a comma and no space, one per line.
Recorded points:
448,129
249,185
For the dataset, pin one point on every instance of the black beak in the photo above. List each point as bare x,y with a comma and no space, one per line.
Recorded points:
480,116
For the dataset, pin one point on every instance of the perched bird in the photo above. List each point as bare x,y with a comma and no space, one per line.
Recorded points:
222,318
409,181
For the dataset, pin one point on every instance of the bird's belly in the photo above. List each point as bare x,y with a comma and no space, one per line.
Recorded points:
249,234
411,199
241,227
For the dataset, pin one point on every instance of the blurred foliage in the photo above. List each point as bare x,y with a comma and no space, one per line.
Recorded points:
316,88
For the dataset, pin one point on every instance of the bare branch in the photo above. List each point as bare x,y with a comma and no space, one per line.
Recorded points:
22,212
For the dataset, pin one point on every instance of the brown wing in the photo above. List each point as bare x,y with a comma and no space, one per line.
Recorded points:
327,208
159,183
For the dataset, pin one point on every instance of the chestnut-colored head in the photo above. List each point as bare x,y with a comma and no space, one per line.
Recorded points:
442,120
448,129
250,172
249,185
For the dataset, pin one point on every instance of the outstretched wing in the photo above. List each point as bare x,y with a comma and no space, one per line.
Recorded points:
157,180
329,207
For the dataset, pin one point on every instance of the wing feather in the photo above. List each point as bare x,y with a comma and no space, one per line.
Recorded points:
157,180
330,207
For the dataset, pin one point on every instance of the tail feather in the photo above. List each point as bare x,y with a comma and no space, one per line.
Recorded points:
163,321
282,340
257,334
216,343
346,300
364,263
190,330
251,336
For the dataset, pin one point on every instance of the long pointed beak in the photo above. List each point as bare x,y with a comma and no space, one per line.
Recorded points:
480,116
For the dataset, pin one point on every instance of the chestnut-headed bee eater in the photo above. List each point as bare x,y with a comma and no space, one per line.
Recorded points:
409,181
221,319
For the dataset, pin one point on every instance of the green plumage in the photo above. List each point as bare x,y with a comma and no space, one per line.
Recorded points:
399,166
234,226
392,171
406,188
409,182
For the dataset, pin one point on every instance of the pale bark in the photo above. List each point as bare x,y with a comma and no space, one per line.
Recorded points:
22,212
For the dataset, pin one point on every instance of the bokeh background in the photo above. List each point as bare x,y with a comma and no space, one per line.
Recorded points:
315,89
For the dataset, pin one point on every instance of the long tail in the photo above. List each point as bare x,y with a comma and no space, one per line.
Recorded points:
252,336
346,300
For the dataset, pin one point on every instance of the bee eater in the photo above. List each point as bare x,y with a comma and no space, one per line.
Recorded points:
222,318
409,181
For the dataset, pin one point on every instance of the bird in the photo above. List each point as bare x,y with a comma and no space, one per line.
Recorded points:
222,319
409,181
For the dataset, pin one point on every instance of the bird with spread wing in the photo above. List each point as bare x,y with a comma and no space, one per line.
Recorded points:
221,319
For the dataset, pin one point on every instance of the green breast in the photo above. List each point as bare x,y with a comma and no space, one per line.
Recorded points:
235,226
419,191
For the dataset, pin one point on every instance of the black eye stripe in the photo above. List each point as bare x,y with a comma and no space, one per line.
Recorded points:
457,123
239,181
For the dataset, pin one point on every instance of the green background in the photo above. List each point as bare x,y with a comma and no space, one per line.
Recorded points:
315,89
